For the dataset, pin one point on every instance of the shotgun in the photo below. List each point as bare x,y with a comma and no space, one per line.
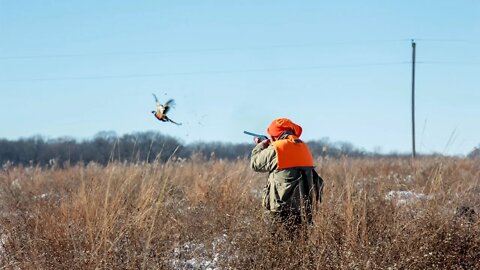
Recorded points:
262,137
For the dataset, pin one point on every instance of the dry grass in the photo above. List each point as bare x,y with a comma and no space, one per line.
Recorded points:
198,215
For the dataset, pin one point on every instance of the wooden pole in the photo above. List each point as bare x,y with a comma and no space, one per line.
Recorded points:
413,99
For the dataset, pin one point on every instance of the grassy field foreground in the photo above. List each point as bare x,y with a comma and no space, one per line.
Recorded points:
375,214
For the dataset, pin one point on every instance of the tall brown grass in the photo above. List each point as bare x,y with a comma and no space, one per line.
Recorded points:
206,214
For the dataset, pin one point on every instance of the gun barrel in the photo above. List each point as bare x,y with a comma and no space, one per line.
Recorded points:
255,135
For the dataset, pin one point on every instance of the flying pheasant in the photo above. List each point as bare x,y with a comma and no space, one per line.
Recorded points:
162,109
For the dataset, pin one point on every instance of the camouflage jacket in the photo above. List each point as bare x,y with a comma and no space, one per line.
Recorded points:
295,190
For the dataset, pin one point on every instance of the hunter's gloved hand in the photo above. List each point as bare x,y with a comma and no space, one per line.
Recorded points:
258,140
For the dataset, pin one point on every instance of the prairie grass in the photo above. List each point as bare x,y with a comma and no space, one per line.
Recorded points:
197,214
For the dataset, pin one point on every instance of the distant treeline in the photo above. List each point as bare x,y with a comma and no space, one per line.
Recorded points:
143,147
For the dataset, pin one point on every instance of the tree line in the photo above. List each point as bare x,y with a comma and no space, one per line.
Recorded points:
147,147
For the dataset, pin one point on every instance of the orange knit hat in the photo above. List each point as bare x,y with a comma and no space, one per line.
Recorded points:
278,126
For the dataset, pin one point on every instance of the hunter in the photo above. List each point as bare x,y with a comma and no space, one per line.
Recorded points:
293,188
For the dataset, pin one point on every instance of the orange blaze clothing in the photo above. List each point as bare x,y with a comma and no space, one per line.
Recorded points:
278,126
292,152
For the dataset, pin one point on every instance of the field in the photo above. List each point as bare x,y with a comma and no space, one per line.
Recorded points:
198,214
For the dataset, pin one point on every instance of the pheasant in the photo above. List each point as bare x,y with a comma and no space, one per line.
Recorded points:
162,109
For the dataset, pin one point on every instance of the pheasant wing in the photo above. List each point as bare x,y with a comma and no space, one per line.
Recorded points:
155,97
160,108
169,104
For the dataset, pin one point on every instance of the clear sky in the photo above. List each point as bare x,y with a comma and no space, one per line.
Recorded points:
340,69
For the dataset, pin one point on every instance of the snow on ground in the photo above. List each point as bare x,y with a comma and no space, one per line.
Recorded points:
195,255
400,178
406,197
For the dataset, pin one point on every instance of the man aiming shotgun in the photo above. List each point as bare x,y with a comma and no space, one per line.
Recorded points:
293,187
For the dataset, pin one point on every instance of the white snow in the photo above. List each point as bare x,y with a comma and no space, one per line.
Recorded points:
194,255
406,197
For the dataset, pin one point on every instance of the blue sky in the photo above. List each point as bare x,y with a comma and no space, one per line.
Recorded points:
340,69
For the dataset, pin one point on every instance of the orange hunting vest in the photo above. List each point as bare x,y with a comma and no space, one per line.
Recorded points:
292,152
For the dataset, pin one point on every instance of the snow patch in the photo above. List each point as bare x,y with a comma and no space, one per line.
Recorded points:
194,255
406,197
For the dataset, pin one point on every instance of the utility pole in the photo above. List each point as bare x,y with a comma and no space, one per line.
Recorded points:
413,99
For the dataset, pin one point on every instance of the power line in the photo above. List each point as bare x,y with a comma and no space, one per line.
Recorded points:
143,75
205,50
125,76
449,40
453,63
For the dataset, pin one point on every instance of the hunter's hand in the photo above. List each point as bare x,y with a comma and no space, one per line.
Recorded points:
258,140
